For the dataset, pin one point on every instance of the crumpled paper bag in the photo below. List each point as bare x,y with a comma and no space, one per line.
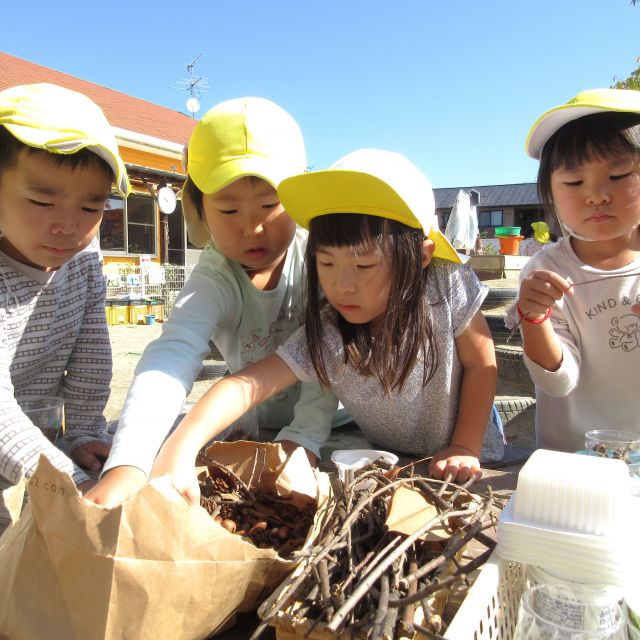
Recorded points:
154,567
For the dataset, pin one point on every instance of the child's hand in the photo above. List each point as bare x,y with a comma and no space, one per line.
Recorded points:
91,455
539,290
457,461
182,473
116,486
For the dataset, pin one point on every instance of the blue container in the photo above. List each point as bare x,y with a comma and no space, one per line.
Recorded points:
149,319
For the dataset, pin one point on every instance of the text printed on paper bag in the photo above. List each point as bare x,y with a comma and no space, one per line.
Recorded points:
46,486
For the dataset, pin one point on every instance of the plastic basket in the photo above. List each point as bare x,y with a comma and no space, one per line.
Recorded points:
117,314
489,611
155,309
137,313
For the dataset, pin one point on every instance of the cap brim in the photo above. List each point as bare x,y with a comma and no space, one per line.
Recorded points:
585,103
443,248
56,142
213,181
320,193
196,229
550,122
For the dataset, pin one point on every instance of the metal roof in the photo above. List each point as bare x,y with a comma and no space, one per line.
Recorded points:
501,195
121,110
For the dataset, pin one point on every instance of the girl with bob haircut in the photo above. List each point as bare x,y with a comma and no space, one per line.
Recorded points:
578,297
398,336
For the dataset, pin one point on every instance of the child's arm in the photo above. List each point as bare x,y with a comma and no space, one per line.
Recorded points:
311,425
477,355
224,403
86,384
538,291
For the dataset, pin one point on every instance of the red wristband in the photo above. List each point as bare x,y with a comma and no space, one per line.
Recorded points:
546,316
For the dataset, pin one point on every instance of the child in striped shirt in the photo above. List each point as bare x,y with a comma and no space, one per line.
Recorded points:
58,163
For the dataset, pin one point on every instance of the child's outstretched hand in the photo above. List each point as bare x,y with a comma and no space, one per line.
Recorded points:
181,470
117,486
539,290
457,461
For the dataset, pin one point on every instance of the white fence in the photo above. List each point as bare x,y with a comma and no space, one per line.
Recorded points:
160,282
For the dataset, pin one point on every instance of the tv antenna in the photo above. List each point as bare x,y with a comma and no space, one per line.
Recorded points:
194,85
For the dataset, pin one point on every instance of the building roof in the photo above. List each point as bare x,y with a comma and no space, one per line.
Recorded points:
121,110
501,195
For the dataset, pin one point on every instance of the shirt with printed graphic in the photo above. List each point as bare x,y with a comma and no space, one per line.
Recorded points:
600,338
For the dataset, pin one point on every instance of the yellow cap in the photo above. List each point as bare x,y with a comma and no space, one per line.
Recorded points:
369,181
59,120
584,104
238,138
541,232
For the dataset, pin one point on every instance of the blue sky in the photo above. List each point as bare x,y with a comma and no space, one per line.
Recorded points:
453,85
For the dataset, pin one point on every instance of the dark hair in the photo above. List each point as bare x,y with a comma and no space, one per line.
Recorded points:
10,148
406,331
598,135
196,195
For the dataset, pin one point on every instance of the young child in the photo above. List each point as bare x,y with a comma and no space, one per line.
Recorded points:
58,162
246,293
536,239
400,339
581,339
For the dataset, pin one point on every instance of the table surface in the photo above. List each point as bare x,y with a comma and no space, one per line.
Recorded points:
501,477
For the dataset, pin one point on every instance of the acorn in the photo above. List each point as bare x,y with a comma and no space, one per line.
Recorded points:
261,525
229,525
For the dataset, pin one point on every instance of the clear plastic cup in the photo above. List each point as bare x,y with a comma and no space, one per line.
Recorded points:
620,444
562,612
46,413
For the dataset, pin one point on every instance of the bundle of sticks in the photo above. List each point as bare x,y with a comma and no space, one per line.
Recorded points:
364,578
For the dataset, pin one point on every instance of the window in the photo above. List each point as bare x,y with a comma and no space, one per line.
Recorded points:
135,236
112,225
490,218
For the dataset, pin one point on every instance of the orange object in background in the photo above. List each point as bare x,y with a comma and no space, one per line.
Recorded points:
509,245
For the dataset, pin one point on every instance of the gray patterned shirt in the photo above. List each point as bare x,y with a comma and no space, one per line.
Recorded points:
419,420
54,341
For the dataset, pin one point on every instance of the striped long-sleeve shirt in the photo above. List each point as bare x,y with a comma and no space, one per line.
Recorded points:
53,341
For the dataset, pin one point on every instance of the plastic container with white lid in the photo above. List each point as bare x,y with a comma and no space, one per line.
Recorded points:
584,494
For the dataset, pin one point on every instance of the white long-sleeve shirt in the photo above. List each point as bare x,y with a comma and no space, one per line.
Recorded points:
54,341
594,388
219,302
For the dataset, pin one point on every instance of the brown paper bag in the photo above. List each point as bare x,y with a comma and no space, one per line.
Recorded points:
155,567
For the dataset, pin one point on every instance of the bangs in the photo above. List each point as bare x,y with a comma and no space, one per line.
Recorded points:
362,232
595,137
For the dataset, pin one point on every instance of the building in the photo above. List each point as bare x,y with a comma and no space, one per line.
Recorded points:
151,140
506,205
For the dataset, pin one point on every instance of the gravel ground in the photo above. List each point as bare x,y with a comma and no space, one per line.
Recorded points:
128,341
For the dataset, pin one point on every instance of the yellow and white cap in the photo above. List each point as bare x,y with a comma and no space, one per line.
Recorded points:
237,138
369,181
59,120
584,104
